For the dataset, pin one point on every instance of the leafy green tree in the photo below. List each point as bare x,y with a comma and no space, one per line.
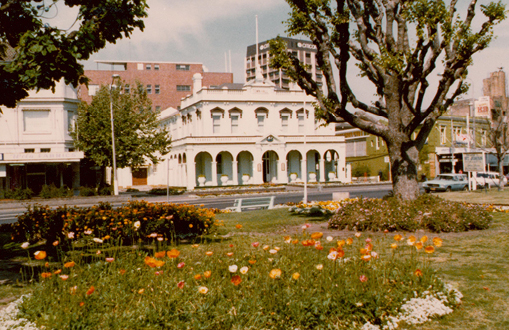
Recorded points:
35,55
138,136
396,44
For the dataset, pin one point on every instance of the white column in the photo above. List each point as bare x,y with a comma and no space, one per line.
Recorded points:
322,169
214,173
235,174
191,174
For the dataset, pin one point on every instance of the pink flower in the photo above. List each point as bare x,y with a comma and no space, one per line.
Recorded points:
181,265
110,259
180,284
368,240
159,273
363,278
255,244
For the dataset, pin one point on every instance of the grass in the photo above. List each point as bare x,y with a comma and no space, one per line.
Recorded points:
481,196
475,262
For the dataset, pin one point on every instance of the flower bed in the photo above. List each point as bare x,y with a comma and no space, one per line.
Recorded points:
131,222
304,282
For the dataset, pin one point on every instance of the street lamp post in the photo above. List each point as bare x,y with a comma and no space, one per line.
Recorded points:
115,177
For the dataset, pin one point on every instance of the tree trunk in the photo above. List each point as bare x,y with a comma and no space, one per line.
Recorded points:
501,173
404,164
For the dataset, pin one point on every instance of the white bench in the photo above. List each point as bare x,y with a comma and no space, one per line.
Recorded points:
252,203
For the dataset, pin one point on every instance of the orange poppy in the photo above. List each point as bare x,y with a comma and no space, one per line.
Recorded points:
122,271
366,257
160,254
39,255
394,245
58,271
207,273
424,239
411,239
46,275
295,241
349,241
418,272
319,247
209,253
316,235
418,245
341,243
236,280
369,247
398,237
197,277
252,262
238,226
90,290
429,249
296,276
173,253
69,264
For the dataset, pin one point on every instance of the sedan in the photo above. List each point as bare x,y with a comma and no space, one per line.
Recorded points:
447,182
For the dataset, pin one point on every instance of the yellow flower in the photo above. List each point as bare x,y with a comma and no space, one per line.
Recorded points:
398,237
429,249
437,241
394,245
207,273
418,245
424,239
244,270
295,276
275,273
203,289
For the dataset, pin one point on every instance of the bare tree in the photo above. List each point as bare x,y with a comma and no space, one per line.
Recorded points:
498,139
376,34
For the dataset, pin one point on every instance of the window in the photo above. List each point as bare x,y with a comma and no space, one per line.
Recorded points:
235,123
71,121
443,135
140,66
261,122
149,89
284,123
36,121
377,142
29,151
183,67
127,89
301,123
483,137
158,89
156,67
216,124
148,67
71,149
183,88
45,149
92,89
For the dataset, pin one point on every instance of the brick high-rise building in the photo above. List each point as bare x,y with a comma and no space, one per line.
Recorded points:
496,88
166,82
303,49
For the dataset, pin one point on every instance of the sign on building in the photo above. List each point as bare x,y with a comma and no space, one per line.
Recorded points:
473,162
483,107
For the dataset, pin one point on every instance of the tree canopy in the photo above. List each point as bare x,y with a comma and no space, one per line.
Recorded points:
138,136
399,46
35,55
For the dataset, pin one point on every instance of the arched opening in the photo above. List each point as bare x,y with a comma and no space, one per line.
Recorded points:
245,167
270,161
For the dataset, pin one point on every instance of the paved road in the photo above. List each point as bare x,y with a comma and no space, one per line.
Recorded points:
8,213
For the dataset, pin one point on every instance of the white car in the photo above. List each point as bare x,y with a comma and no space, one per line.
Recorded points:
487,179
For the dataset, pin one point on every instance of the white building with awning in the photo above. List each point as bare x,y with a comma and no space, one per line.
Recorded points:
35,146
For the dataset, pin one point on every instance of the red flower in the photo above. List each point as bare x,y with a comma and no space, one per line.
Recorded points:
236,280
90,291
180,284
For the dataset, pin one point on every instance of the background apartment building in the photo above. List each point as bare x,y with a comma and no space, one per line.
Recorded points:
303,49
166,83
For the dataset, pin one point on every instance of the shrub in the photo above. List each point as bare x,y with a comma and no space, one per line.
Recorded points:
163,191
19,193
88,191
105,191
426,212
132,190
130,222
53,192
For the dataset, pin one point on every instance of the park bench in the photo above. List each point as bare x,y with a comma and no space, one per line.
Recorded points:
241,204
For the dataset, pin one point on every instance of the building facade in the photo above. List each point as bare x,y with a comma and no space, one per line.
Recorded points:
304,50
166,83
240,134
35,146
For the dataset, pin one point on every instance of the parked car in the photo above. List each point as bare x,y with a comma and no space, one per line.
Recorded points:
487,179
447,182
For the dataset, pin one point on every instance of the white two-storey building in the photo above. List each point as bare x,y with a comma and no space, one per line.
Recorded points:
253,133
35,146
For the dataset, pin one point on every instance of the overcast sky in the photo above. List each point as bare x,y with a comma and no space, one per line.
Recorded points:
204,30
